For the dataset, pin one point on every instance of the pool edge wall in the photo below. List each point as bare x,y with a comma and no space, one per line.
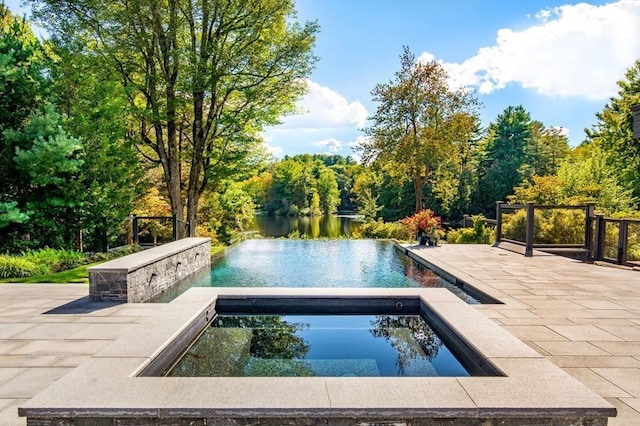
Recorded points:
141,276
107,388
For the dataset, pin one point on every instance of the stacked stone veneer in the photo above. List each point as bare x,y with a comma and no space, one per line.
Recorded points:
141,276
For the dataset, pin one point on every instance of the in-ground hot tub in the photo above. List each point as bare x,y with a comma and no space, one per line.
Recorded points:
374,336
120,382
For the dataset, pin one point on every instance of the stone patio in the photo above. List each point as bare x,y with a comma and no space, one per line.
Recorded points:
583,318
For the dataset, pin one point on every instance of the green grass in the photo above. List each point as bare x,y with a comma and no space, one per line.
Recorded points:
75,275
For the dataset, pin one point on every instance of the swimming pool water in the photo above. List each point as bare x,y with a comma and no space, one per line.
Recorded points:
318,345
317,263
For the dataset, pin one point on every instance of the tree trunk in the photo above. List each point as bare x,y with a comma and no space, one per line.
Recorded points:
418,186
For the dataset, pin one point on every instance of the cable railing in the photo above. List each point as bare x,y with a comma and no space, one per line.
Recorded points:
595,238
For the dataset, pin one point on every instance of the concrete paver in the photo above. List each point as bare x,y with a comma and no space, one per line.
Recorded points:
594,309
46,331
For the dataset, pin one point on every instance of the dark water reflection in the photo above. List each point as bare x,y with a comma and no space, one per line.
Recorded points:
319,345
327,226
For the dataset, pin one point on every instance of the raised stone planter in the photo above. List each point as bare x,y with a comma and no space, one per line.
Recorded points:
141,276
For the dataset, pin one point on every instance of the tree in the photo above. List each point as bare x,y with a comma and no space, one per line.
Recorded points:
48,162
588,178
613,131
504,165
418,123
23,88
92,104
550,146
327,190
202,77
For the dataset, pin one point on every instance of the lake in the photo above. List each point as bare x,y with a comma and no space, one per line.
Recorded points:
326,226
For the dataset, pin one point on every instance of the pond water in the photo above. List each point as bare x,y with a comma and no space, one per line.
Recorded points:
318,345
316,263
326,226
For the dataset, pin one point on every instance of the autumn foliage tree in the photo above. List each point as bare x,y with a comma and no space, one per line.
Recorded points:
419,123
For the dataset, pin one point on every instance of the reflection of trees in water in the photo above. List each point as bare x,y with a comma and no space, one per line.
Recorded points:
423,276
272,336
231,346
410,336
273,339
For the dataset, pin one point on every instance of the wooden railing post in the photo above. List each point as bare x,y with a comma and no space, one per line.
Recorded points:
528,252
622,242
136,230
174,222
498,221
588,231
599,238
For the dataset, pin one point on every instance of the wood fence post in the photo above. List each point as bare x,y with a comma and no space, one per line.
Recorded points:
528,252
498,221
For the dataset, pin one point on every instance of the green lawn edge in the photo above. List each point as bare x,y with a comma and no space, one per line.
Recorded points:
77,275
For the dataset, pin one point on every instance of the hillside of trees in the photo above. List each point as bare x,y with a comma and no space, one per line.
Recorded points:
92,131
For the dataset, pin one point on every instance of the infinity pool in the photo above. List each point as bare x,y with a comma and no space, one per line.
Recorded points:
317,263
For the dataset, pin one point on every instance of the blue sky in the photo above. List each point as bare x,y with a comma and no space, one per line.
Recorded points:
559,59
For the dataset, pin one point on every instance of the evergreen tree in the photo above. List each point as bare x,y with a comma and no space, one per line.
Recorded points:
504,164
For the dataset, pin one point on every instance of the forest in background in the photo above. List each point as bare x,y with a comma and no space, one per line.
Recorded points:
92,130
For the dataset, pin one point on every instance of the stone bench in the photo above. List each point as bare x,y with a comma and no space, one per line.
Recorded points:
139,277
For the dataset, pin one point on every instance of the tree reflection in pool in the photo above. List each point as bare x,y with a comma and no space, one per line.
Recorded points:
318,345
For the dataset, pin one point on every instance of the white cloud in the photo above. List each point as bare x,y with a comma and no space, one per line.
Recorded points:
573,50
324,108
353,144
332,144
275,151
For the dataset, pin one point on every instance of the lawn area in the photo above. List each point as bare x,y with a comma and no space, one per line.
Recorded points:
75,275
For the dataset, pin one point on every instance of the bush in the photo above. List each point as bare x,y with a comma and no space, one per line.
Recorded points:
384,230
478,234
56,260
554,226
16,267
48,261
424,221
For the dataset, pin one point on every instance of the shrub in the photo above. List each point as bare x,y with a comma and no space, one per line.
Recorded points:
16,267
423,221
56,260
47,261
383,230
478,234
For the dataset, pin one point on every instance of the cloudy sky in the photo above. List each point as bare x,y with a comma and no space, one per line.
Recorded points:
559,59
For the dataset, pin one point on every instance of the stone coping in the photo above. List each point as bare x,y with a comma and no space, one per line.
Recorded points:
146,257
108,385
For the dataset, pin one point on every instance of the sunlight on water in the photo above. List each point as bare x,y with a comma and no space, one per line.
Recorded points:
317,263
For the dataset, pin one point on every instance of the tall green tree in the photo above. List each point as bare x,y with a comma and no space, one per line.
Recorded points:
419,122
550,146
202,77
613,131
329,195
49,164
23,88
506,156
92,104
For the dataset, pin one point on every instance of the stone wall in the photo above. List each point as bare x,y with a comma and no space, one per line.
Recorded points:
138,277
